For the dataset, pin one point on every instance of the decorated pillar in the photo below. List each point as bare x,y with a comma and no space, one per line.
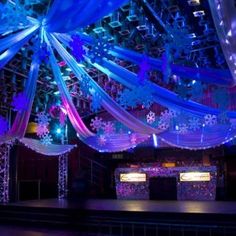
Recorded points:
62,176
4,173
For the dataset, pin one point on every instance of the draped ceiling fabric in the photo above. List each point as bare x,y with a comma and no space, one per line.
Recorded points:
68,15
49,150
77,14
223,13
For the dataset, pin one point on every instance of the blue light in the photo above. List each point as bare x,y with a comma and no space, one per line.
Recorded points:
155,143
58,130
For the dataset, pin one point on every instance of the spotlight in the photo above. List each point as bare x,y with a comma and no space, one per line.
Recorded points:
58,130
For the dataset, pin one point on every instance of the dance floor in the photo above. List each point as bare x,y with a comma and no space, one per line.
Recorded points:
203,207
124,217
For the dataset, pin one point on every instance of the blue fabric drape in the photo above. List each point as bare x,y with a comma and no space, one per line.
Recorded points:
65,16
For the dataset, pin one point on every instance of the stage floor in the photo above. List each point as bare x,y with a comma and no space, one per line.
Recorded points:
202,207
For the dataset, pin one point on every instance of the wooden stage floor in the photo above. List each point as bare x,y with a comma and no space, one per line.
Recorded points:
202,207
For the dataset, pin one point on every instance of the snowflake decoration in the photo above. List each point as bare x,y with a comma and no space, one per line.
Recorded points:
183,129
166,69
43,118
46,139
163,126
233,123
166,116
43,53
20,102
41,130
210,120
108,128
194,124
85,85
144,67
96,102
141,95
102,140
151,117
96,123
100,50
3,125
223,118
221,98
133,138
76,45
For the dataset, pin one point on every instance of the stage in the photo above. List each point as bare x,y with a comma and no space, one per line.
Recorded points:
125,217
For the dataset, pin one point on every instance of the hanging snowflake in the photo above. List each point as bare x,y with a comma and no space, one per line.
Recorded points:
183,129
108,128
85,85
43,53
43,118
96,123
3,125
77,48
221,98
210,120
102,140
166,116
144,67
233,123
166,61
141,95
223,118
20,102
46,139
194,124
151,117
41,130
100,50
133,138
197,90
163,126
96,102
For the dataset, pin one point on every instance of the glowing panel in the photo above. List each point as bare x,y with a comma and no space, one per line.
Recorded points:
195,176
133,177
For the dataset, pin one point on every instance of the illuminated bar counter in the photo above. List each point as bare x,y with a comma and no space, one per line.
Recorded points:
190,183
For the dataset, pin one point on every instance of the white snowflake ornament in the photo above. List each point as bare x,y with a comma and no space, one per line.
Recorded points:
194,124
108,128
41,130
96,123
102,140
46,139
151,117
43,118
210,120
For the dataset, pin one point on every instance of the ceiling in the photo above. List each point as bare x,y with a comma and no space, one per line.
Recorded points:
137,26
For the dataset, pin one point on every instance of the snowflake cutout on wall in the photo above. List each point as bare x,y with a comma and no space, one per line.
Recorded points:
194,124
150,117
108,128
20,102
102,140
41,130
46,139
210,120
43,118
100,50
96,123
76,44
3,125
